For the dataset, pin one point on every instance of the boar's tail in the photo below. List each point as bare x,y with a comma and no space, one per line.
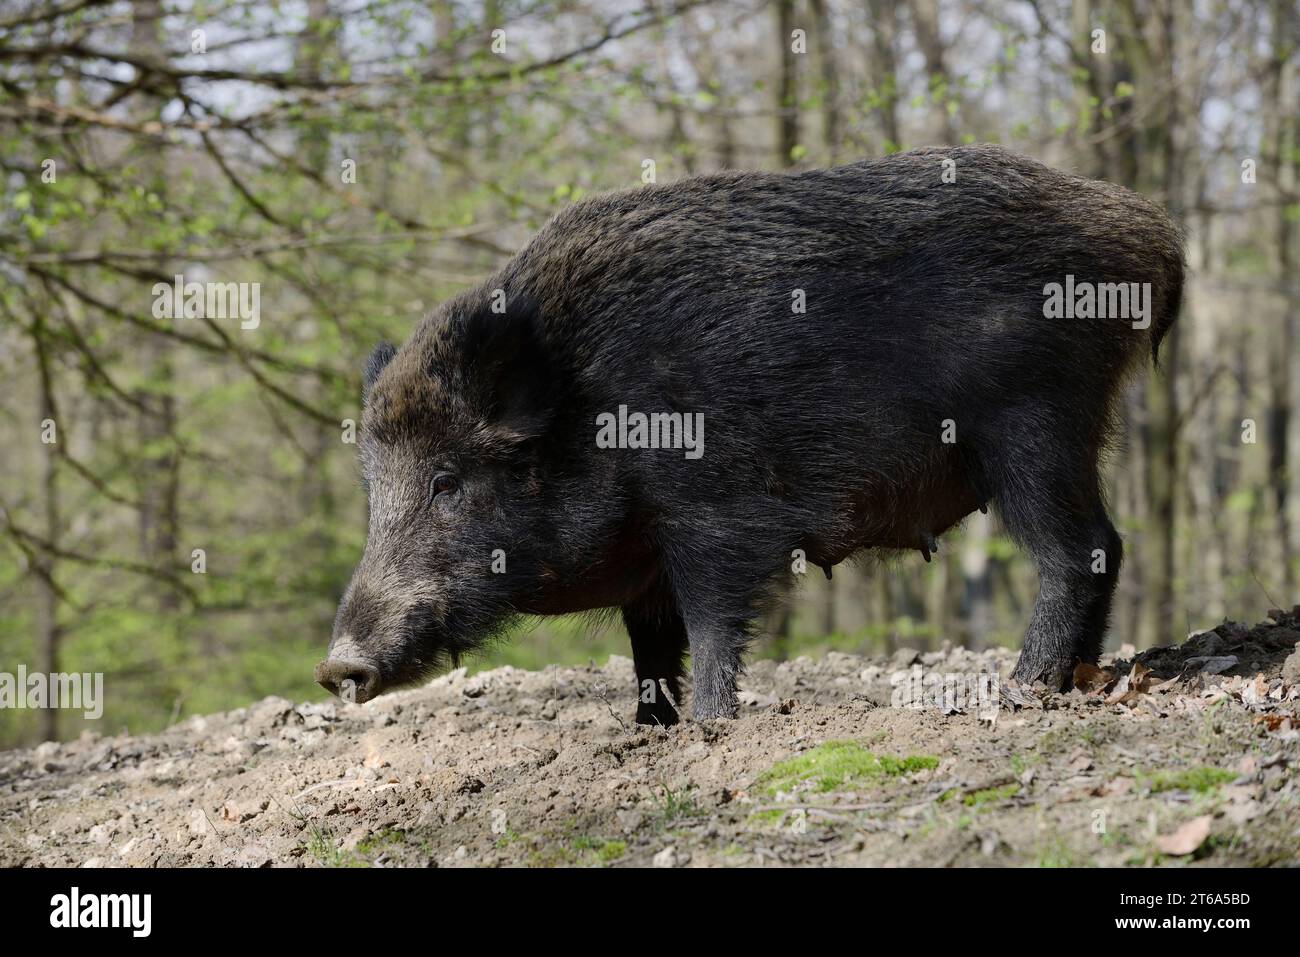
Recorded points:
1171,301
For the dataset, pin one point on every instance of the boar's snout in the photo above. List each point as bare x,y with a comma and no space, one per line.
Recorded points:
349,679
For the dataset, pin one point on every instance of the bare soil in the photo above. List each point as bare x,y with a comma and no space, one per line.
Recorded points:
1176,766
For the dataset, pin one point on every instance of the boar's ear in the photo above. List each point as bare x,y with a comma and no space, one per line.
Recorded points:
382,355
507,371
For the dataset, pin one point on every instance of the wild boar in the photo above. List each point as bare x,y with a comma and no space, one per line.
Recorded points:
674,393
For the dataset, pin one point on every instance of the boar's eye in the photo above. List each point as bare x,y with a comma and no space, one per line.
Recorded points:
446,482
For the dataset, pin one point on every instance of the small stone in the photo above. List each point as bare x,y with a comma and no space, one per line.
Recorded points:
629,821
696,751
270,712
253,855
1211,664
904,657
243,810
355,837
1291,667
756,700
666,858
1079,763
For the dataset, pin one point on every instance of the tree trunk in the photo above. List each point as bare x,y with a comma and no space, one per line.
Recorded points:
830,80
884,69
925,15
787,98
975,576
159,485
1282,359
48,630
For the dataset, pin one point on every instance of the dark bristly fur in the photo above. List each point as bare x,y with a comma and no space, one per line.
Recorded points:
823,431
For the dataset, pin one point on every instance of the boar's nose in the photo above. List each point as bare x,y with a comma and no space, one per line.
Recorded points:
350,680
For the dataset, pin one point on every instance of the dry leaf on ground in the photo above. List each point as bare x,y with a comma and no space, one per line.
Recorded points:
1090,679
1186,839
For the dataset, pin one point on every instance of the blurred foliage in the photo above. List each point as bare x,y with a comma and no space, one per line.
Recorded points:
230,165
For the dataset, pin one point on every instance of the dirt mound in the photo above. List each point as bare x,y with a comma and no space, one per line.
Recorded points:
1185,753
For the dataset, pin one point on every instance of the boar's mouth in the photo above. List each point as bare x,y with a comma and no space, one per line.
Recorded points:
351,680
432,644
356,679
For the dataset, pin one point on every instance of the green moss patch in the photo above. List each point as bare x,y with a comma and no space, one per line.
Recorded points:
836,764
991,795
1200,779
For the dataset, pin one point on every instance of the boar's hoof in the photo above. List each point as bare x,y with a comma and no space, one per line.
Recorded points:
705,711
660,714
353,681
1057,674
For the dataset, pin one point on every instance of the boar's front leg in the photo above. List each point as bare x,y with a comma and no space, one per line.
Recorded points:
1060,516
658,638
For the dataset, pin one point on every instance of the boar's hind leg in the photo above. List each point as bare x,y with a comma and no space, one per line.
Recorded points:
658,645
1063,522
717,656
